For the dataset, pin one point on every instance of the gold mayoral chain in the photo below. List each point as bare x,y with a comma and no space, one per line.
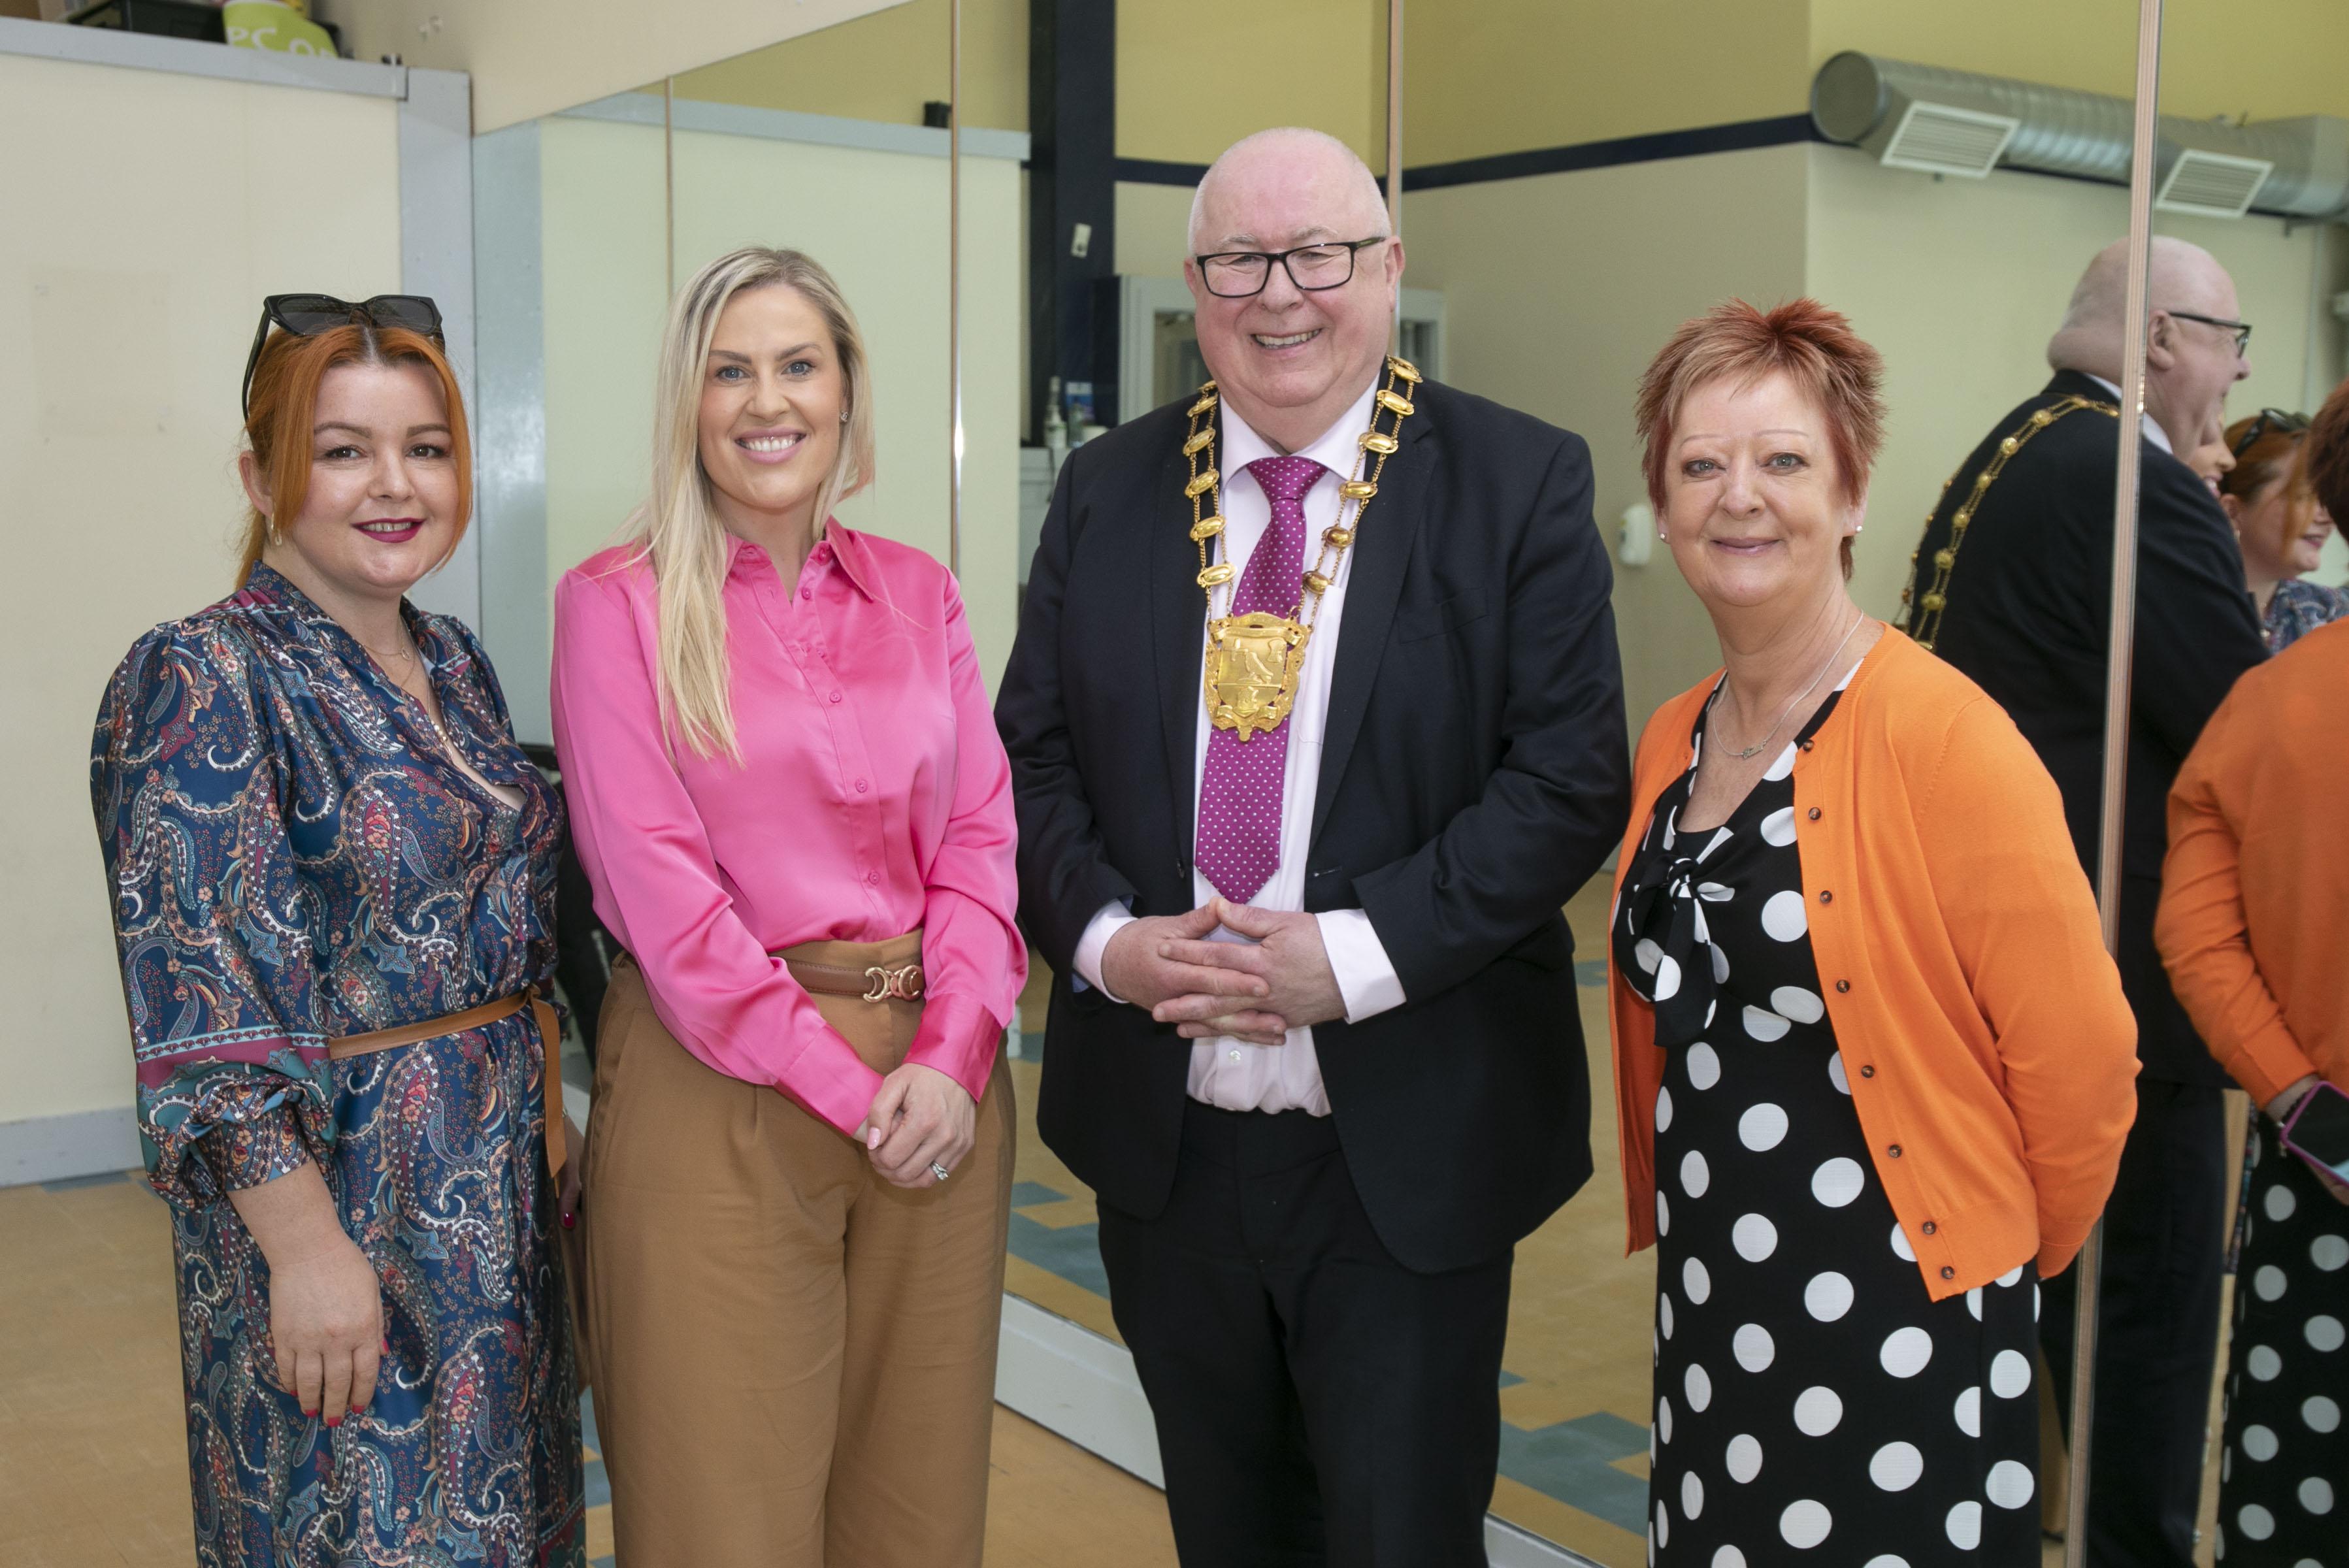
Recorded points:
1254,660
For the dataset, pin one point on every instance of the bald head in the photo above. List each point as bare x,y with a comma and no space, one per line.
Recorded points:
1310,164
2181,277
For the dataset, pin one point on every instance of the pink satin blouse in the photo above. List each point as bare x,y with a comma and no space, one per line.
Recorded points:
874,797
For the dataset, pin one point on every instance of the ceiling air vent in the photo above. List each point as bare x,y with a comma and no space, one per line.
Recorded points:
1937,139
2212,184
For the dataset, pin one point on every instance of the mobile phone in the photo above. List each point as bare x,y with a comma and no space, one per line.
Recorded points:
2318,1130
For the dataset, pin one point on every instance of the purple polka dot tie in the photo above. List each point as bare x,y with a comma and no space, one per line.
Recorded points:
1239,795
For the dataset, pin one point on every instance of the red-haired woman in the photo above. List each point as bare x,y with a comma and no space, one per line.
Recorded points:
2281,525
332,872
1872,1063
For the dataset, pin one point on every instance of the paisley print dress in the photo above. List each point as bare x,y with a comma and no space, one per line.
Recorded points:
290,860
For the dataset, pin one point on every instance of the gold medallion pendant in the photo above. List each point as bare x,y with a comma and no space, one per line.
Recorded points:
1254,660
1253,665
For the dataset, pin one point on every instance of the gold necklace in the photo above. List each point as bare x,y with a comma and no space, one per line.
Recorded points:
1254,661
408,660
1922,620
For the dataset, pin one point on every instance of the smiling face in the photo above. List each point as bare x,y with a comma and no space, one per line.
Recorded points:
773,393
1755,508
383,498
2190,365
2282,529
1290,360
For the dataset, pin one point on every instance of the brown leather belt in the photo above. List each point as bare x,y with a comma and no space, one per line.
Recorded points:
873,984
549,1040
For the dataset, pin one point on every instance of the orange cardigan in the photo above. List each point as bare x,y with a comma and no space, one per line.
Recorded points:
1981,1025
2255,893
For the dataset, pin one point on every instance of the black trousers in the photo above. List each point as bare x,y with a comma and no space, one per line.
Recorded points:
1317,1403
2157,1334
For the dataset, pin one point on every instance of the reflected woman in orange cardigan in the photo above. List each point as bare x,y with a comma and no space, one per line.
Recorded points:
1873,1066
2254,909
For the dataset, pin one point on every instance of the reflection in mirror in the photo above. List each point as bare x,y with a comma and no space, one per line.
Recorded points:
2250,174
1569,226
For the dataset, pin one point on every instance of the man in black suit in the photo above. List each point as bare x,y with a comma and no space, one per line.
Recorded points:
2019,596
1314,1040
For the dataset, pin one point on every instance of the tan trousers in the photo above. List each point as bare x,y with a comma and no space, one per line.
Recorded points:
794,1360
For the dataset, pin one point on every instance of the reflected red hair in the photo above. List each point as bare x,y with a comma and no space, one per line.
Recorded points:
2326,455
285,405
1803,340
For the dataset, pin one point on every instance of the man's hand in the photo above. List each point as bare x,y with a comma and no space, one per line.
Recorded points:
1137,967
1285,952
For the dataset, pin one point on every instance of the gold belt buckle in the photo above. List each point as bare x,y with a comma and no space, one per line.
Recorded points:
902,984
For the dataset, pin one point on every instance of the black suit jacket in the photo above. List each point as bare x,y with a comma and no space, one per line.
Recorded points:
1474,776
2028,617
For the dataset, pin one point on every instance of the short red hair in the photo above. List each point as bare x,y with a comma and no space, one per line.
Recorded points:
284,404
2325,455
1803,340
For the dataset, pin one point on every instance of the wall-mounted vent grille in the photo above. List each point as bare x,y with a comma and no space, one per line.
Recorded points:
1940,140
2212,184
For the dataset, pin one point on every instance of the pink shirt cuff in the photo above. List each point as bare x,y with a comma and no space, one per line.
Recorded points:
958,1036
842,1097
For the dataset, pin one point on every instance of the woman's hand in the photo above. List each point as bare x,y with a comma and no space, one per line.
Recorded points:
921,1118
575,1158
326,1306
2281,1106
326,1321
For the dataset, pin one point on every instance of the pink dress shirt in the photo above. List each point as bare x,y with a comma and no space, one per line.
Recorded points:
874,797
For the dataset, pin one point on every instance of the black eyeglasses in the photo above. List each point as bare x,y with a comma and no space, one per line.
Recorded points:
1238,274
2271,421
2242,329
308,314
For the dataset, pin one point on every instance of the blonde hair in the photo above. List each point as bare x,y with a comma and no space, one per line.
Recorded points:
677,530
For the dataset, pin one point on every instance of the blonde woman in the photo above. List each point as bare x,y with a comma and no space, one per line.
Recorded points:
790,799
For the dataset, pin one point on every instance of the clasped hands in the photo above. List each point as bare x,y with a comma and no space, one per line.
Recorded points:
1257,990
920,1119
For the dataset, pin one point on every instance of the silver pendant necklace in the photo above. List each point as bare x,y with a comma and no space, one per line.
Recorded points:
1756,749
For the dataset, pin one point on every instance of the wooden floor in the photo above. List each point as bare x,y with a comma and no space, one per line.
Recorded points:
93,1462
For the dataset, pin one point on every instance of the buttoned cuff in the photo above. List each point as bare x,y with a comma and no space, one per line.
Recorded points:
1113,918
1366,977
958,1035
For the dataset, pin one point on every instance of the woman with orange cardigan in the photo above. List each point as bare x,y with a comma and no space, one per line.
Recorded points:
1873,1065
2254,904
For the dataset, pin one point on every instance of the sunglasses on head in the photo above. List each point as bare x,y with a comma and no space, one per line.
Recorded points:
2271,421
308,314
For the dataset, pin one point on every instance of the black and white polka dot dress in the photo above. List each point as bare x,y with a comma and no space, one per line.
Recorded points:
2283,1476
1813,1402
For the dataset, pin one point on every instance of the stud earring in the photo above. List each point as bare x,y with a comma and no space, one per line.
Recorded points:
843,415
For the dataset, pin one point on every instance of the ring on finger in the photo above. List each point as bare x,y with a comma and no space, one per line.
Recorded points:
939,1170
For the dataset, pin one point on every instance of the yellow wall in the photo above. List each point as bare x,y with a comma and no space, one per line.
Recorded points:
1185,92
886,67
127,305
1558,291
1484,77
1509,75
1194,78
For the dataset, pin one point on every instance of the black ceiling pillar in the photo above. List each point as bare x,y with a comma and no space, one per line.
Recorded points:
1072,201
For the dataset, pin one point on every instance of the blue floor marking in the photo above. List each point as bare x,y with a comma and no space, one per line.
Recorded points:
1573,1462
1072,1252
